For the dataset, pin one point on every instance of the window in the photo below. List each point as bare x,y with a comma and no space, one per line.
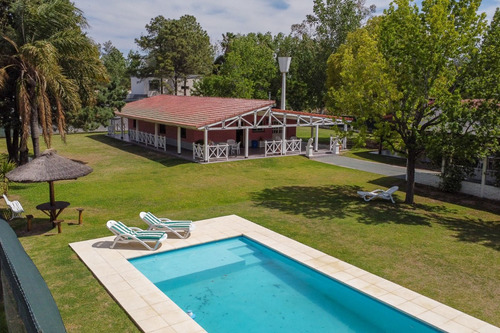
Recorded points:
134,123
163,129
183,133
277,130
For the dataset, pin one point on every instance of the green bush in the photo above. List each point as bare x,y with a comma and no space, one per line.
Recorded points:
5,167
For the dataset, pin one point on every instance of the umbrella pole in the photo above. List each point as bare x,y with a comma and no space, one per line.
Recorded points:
52,201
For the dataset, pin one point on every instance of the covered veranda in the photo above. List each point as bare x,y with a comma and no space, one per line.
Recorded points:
209,129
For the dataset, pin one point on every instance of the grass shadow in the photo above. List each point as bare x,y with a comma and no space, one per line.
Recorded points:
39,226
164,159
337,201
341,202
473,231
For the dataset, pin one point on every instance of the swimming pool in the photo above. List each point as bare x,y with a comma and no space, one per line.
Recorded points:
238,285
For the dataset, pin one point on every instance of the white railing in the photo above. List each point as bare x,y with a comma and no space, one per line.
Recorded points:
115,125
293,146
132,135
162,142
273,147
334,145
276,147
147,138
198,151
216,151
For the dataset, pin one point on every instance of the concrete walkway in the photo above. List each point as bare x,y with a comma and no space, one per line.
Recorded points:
422,176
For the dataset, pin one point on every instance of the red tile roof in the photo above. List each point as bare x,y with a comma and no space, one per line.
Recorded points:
190,111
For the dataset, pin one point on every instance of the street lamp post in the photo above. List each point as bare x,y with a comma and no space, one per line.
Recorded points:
284,63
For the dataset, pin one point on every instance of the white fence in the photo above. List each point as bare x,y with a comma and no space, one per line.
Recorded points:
216,151
276,147
148,139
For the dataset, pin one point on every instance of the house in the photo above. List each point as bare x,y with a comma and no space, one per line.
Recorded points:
204,125
150,86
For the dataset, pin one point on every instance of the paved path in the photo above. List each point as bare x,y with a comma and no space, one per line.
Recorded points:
422,176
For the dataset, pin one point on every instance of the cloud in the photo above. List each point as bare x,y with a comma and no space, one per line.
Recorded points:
121,21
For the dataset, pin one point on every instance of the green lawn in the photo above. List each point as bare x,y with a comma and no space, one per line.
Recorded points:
444,250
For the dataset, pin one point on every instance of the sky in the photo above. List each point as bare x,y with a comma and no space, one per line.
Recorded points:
121,21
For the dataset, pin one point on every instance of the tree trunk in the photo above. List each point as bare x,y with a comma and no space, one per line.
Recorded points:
410,176
35,133
12,144
23,152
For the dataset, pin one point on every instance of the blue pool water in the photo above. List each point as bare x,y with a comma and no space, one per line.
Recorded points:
238,285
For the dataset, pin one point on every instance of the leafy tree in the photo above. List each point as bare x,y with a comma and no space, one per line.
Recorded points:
246,71
313,41
305,82
115,64
424,54
111,94
52,64
174,48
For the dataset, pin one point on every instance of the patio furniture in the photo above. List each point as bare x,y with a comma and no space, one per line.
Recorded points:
80,219
387,194
58,223
180,228
235,148
53,210
126,234
15,207
29,218
231,141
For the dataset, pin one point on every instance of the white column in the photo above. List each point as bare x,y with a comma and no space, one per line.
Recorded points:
156,135
247,143
179,141
483,175
205,147
316,138
283,139
122,127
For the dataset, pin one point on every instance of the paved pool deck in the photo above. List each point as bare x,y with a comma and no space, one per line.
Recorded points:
152,311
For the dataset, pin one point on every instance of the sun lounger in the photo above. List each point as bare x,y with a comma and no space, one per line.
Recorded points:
126,234
180,228
367,196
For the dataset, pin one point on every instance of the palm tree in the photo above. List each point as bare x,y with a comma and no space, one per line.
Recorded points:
55,65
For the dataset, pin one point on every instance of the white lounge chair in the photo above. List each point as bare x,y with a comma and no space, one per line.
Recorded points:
126,234
180,228
367,196
15,207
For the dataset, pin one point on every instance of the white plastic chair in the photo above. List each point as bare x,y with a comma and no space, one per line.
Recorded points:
15,207
235,148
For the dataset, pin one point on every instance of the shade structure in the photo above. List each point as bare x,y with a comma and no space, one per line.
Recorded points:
49,167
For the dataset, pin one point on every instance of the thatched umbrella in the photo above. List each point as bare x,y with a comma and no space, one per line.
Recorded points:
49,167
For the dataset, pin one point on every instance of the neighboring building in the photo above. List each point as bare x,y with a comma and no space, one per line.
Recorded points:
148,87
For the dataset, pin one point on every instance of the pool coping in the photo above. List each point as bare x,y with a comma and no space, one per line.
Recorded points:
153,312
